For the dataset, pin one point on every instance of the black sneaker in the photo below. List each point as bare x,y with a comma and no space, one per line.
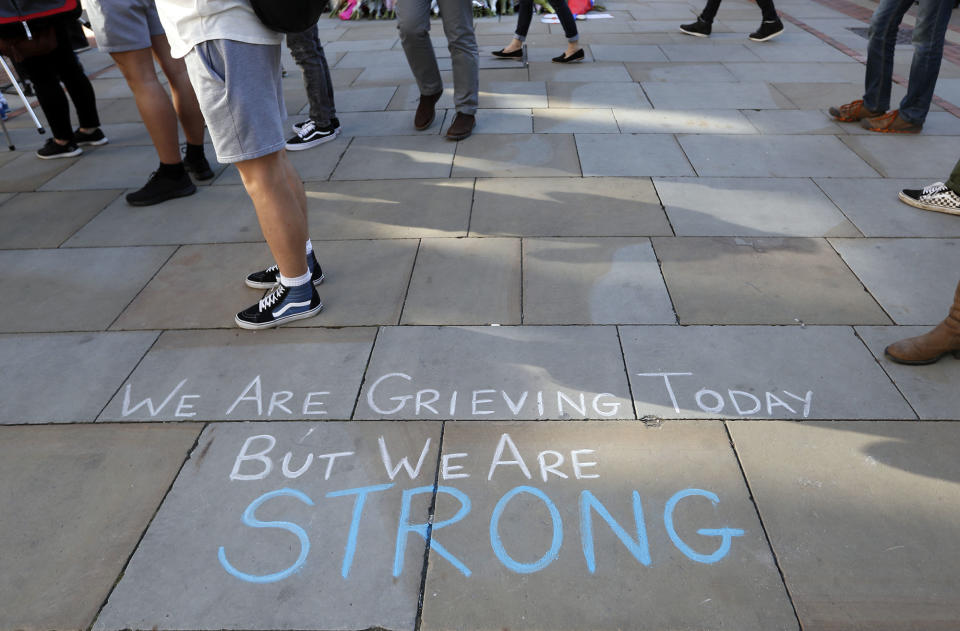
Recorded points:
698,28
334,122
266,279
53,150
277,308
94,138
767,31
159,189
310,135
198,168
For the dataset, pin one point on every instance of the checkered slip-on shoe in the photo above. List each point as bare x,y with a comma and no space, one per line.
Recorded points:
936,197
891,123
852,112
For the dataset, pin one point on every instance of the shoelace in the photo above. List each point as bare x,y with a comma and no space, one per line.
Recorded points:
275,296
933,189
307,128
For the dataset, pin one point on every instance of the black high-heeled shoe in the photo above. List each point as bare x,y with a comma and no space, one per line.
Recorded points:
513,54
563,59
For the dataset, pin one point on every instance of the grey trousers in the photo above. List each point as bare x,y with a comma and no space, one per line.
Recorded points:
413,21
308,53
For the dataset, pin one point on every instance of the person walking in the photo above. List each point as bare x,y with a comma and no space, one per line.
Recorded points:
514,49
233,62
131,32
322,125
933,17
770,27
413,22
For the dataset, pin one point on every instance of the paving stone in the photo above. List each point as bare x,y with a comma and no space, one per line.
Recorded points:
393,157
232,375
797,72
631,155
874,207
516,155
605,72
364,99
740,372
213,214
745,95
606,52
650,121
820,53
757,280
112,88
787,207
862,519
794,122
119,111
394,123
465,281
686,73
383,43
313,165
809,96
76,500
545,207
913,279
501,121
179,573
389,209
25,172
596,95
498,373
763,156
904,157
46,220
593,281
513,94
49,299
936,124
570,121
718,52
660,573
112,167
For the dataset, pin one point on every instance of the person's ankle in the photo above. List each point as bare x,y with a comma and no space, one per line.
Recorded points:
62,143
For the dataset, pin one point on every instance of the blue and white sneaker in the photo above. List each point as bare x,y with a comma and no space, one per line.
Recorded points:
280,306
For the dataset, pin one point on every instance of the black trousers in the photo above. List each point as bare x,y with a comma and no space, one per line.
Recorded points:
766,8
47,73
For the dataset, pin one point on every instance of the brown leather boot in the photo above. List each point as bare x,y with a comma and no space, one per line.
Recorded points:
461,127
426,110
929,347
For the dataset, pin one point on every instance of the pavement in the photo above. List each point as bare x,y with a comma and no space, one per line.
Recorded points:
613,362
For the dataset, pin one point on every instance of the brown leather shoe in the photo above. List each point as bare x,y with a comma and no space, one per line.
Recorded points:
929,347
462,127
891,123
426,110
852,112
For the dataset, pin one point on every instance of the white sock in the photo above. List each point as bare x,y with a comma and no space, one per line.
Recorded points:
295,282
309,247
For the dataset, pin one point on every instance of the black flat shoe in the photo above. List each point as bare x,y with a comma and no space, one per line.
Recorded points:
563,59
514,54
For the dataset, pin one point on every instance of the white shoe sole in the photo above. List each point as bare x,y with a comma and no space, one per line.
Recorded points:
767,38
70,154
279,321
906,199
93,143
255,285
694,34
301,146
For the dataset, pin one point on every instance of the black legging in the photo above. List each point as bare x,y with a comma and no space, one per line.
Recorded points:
47,72
766,8
525,14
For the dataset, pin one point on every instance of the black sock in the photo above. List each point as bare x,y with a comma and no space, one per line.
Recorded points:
171,171
194,152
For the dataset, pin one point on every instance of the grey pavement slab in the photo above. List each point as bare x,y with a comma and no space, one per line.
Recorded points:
229,375
936,124
820,95
574,121
512,94
328,565
25,172
631,155
794,122
683,96
622,543
495,373
762,280
389,209
545,71
595,95
862,517
496,121
571,206
516,155
808,72
393,157
708,52
687,73
46,220
465,281
873,205
757,372
393,123
76,500
763,156
364,99
50,299
593,281
903,157
931,390
787,207
913,279
381,43
119,111
214,214
65,377
672,121
313,164
110,167
819,53
407,97
607,52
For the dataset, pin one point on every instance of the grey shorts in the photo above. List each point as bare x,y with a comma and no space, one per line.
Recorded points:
123,25
241,97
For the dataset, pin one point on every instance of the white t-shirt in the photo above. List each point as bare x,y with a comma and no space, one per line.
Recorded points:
190,22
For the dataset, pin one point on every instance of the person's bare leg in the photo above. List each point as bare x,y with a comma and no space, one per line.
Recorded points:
184,98
515,44
154,105
280,211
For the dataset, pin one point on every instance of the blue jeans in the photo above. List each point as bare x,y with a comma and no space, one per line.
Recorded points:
933,18
308,53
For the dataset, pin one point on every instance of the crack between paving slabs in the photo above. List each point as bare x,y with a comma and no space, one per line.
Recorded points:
150,280
363,378
893,382
406,293
129,374
626,371
432,513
